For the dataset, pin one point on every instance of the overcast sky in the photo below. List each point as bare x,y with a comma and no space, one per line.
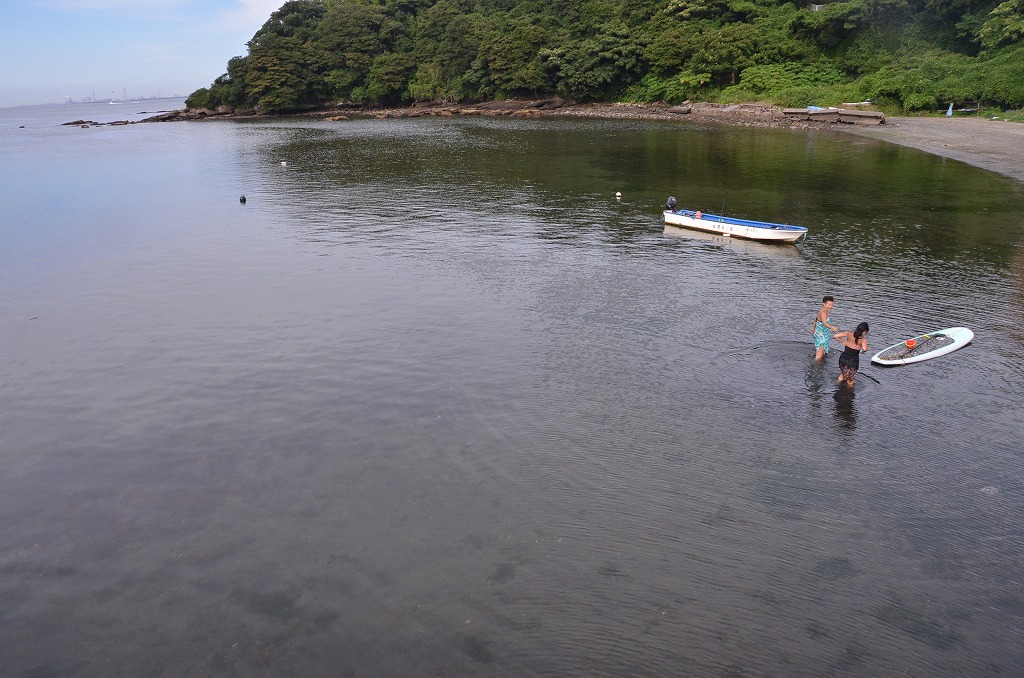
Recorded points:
50,49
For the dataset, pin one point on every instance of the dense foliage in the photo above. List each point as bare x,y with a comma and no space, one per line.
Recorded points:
901,54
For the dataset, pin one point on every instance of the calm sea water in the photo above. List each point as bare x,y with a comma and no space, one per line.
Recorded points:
434,402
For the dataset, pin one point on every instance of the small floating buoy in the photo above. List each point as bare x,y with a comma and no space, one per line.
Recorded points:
242,200
618,195
284,164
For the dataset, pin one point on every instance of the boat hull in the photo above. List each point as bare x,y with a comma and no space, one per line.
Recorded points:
927,346
731,227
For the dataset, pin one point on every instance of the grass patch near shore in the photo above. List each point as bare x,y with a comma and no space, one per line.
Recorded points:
995,113
984,113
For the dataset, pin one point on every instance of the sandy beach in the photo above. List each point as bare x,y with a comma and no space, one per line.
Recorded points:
995,145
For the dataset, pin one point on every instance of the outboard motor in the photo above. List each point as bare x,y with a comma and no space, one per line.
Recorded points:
671,204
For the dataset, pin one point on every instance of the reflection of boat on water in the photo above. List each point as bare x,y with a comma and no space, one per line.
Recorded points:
732,227
736,244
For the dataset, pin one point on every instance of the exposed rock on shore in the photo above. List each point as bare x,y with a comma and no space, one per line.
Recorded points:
202,114
737,114
163,116
760,115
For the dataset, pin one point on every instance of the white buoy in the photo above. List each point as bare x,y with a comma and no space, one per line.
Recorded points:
618,195
284,164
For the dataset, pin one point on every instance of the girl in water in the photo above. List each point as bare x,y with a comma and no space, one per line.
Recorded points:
822,330
854,343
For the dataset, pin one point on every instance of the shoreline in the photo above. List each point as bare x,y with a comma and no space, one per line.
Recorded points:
993,145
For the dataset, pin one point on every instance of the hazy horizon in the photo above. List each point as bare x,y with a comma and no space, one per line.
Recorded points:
115,49
104,100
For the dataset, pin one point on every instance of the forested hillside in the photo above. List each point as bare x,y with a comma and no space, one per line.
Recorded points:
900,54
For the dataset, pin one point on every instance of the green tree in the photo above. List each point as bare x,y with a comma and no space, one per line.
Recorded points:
999,76
728,51
688,10
294,19
511,62
199,99
596,67
832,24
670,49
280,76
448,40
1004,25
281,72
229,88
908,53
388,78
348,40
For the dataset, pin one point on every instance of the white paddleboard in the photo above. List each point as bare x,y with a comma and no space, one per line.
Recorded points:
924,347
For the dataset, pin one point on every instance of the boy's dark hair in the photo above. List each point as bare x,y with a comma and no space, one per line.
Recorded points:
827,297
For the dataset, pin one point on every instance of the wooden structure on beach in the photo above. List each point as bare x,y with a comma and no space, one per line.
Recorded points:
843,115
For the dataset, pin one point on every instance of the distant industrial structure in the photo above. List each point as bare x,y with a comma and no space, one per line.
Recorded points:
113,99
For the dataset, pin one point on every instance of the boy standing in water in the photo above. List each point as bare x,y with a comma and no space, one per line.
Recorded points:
822,330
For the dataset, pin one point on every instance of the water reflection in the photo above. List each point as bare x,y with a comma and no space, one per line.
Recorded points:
739,245
433,380
816,380
557,178
845,414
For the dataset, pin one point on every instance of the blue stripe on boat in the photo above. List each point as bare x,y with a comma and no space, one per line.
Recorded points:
739,222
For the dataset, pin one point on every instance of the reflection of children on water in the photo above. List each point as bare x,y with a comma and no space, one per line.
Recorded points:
846,415
817,380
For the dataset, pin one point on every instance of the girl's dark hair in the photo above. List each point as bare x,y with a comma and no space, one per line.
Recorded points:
861,329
